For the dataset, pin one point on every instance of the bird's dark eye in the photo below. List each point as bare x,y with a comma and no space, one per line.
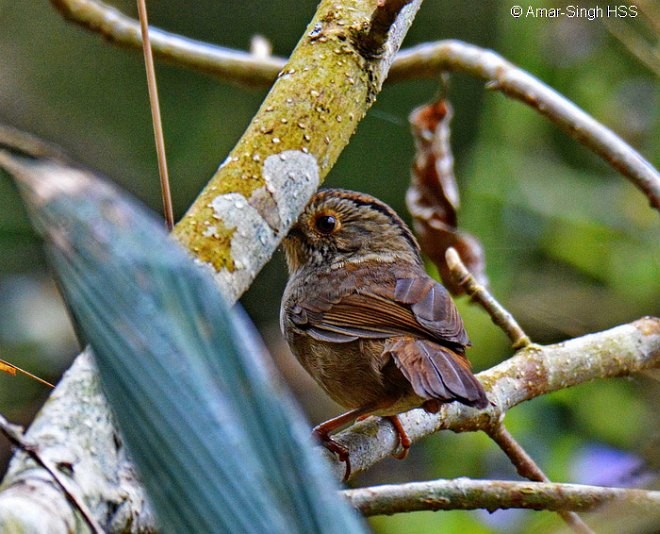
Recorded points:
326,224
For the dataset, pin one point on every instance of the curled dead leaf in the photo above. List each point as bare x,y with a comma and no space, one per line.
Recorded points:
433,199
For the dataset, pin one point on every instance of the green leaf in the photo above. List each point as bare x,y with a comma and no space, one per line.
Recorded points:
219,442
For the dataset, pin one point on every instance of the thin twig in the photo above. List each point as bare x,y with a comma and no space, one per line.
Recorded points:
235,66
527,467
168,212
27,373
500,316
491,495
14,434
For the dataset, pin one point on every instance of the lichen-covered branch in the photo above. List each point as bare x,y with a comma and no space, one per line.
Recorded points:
16,437
320,95
75,432
534,371
423,61
491,495
304,123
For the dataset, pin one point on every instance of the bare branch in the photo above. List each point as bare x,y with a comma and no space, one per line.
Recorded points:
534,371
424,61
621,351
467,494
232,65
523,462
428,60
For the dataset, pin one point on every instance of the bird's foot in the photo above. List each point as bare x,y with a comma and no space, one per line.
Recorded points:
404,439
337,448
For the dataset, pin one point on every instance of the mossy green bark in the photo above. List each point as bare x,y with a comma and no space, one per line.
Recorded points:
314,107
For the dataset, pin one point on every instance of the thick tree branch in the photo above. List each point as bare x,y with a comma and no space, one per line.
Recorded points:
424,61
534,371
491,495
306,120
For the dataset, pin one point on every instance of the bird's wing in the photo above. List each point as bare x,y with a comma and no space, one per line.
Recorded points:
426,334
417,306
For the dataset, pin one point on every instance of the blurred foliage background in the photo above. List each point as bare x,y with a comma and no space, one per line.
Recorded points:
571,246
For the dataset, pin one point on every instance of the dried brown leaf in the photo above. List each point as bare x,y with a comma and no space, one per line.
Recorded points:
7,368
433,198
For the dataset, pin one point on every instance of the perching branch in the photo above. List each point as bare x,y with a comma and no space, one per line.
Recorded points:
523,462
112,484
534,371
423,61
491,495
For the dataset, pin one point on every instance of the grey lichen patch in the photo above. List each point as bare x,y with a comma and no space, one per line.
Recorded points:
290,178
250,226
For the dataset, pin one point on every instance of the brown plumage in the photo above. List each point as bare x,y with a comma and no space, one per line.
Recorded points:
365,320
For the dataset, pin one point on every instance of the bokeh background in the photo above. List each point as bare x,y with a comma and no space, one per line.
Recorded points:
571,246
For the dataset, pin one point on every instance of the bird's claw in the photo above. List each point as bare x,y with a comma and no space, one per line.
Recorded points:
337,448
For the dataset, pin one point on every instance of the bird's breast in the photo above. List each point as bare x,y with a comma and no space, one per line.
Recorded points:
350,373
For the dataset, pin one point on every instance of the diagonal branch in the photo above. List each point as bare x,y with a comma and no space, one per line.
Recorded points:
532,372
428,59
305,121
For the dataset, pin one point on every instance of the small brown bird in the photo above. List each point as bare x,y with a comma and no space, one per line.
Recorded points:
365,320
